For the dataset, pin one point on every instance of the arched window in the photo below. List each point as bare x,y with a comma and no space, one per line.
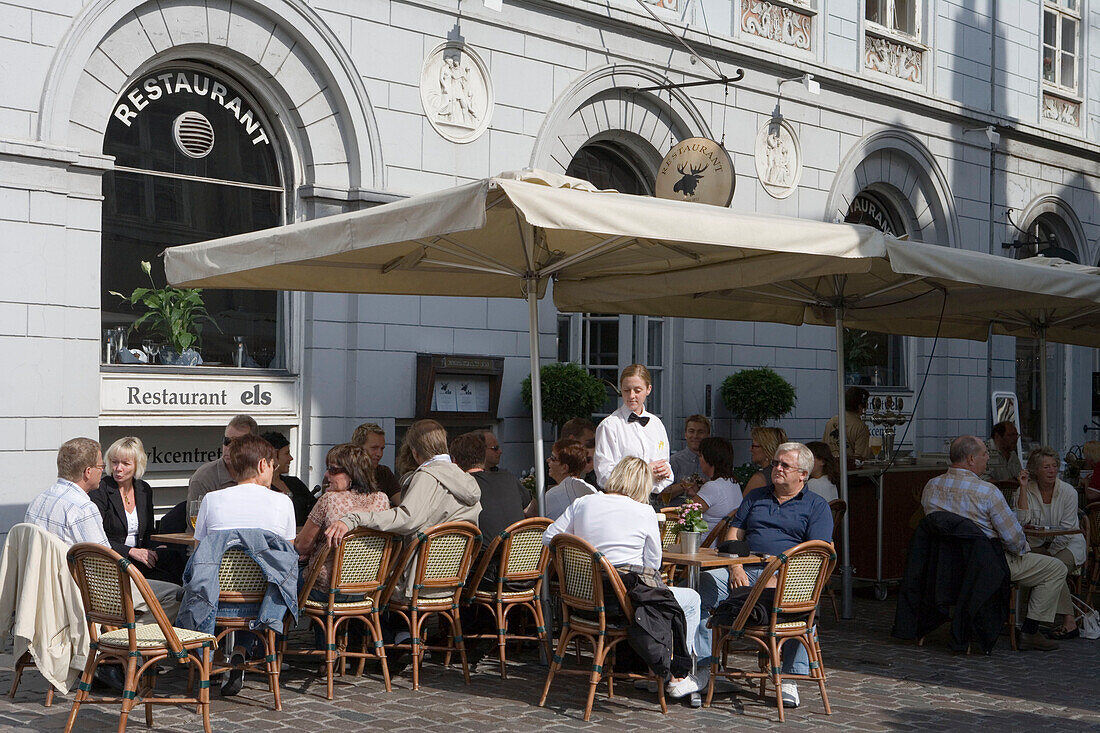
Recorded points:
194,160
605,343
871,358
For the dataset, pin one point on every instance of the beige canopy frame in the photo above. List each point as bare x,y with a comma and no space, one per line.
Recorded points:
507,236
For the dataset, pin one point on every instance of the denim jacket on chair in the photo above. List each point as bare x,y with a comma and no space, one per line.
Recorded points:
277,559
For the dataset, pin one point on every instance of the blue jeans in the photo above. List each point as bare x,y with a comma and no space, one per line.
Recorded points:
244,639
714,587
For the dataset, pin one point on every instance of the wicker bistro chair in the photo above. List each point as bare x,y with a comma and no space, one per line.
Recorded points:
838,508
670,533
106,581
521,558
360,567
585,577
800,574
240,580
717,535
442,556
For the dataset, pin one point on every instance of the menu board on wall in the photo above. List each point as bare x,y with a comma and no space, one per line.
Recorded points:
451,385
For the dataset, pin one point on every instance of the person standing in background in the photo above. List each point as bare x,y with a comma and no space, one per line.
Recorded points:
857,432
632,431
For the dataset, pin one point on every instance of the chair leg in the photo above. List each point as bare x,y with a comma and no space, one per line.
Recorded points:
19,673
374,625
49,696
777,683
417,646
272,667
130,686
82,689
204,688
502,634
541,628
594,676
814,650
832,599
555,663
330,653
459,641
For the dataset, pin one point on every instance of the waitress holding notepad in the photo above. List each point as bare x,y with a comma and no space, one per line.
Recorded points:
632,431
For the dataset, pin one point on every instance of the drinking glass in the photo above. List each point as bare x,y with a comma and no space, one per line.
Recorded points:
876,446
193,512
152,348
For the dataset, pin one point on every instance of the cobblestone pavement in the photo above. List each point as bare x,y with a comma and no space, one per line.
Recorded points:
874,684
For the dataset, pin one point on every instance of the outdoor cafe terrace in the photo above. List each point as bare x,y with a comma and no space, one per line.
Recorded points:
875,683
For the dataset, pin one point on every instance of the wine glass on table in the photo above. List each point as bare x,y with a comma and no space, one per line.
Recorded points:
152,348
193,512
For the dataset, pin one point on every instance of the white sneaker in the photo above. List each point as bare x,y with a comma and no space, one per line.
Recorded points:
790,695
691,683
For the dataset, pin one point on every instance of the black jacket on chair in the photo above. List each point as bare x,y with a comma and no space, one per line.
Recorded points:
953,564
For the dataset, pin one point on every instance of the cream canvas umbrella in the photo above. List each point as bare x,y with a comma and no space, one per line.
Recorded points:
507,236
909,288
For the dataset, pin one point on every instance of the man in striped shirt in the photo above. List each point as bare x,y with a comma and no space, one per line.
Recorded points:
64,509
961,491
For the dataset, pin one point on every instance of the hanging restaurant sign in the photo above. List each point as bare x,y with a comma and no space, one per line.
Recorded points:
697,170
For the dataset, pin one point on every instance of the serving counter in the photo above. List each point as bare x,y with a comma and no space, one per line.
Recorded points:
884,510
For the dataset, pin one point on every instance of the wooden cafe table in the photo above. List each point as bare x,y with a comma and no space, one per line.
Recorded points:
706,557
186,539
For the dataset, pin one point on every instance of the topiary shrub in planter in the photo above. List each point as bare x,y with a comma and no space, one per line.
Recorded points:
757,396
568,391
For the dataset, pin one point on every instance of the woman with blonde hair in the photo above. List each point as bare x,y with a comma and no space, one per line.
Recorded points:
765,441
622,525
1047,502
632,431
126,503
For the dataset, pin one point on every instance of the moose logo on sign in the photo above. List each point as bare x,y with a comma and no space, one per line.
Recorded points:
697,170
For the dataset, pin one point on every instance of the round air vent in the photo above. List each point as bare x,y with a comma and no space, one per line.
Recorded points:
194,134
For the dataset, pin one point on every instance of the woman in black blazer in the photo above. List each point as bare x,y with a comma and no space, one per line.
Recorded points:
126,504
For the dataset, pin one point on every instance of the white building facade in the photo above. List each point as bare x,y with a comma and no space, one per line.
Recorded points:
127,126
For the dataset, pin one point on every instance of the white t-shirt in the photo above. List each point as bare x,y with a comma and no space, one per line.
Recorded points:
559,497
617,438
722,496
823,487
624,530
247,506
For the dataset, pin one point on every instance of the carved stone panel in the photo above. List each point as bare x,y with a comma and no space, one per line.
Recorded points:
456,92
777,23
1064,111
893,59
778,158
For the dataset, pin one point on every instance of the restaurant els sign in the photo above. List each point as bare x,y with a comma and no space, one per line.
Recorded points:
140,394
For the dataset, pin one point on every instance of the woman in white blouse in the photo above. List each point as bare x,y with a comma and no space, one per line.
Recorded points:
721,494
632,431
1050,503
621,524
826,474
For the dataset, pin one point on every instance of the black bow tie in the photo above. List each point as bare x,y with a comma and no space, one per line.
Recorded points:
638,418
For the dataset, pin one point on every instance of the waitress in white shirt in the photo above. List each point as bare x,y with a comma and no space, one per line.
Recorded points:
632,431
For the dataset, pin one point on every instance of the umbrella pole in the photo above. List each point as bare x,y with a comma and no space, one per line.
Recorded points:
1043,414
536,393
842,443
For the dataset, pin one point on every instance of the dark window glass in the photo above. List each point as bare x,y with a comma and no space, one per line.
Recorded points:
605,166
155,201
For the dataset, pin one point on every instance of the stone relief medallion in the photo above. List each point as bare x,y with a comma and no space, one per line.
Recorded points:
778,158
456,92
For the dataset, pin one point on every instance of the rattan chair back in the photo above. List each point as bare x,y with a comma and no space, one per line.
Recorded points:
105,579
582,572
443,556
240,579
839,508
669,529
519,553
362,562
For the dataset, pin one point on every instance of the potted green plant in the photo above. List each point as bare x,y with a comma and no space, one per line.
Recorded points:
860,350
568,391
174,314
757,396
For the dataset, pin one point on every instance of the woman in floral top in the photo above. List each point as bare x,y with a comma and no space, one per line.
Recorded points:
349,474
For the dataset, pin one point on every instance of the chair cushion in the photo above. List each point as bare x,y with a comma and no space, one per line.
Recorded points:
507,595
365,604
149,636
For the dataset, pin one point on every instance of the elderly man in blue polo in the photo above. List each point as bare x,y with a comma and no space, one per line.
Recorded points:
771,519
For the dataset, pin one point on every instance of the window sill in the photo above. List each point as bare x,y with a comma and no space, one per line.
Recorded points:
874,29
166,370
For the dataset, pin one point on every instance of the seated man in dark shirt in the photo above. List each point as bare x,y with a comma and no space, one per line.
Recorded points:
503,498
772,521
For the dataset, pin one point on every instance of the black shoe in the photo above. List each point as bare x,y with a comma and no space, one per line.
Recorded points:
1063,634
111,676
234,678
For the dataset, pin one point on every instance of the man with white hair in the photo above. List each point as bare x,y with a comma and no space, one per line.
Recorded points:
773,519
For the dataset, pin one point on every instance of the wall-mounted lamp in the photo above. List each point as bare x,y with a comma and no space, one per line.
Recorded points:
807,80
991,133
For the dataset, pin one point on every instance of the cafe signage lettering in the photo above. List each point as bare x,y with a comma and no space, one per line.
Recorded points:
698,170
127,393
158,86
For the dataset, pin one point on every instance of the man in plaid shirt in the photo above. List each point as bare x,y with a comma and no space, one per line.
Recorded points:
961,491
64,509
